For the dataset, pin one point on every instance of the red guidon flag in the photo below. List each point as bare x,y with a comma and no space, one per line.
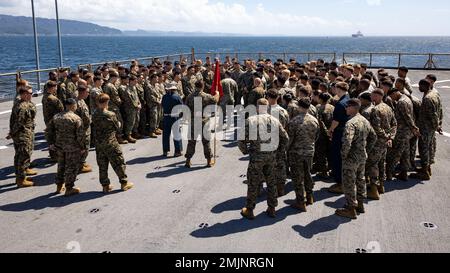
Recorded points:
217,83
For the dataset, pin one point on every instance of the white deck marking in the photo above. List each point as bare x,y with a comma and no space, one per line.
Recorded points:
446,134
9,111
3,147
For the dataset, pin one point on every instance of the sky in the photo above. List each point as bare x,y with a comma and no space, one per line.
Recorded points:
254,17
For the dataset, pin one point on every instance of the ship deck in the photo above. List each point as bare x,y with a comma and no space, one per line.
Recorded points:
173,209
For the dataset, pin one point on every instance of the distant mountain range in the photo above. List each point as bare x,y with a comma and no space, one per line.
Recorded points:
21,25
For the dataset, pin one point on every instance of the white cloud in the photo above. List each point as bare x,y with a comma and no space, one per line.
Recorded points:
192,15
374,2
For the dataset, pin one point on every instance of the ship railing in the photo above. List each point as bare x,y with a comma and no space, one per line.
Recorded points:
394,60
390,60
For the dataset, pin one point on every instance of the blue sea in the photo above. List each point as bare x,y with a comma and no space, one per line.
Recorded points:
17,53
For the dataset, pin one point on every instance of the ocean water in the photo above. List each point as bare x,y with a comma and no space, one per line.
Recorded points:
17,53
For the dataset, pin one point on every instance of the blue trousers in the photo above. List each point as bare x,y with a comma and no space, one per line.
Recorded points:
167,131
336,158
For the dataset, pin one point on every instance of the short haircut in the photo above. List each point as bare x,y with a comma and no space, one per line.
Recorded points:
404,69
378,92
425,84
24,89
51,84
82,88
199,84
432,77
262,102
273,94
325,97
304,103
103,98
342,86
401,81
354,103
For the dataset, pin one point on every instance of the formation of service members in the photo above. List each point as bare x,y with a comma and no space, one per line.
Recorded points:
345,123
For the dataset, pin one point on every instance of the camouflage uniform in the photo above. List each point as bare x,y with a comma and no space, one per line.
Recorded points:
236,76
71,90
67,134
384,124
400,147
429,121
245,83
51,106
366,111
359,138
207,99
188,83
280,174
153,99
142,124
208,78
413,142
262,163
303,133
254,95
83,113
95,92
114,104
108,150
22,124
230,88
323,145
131,105
61,91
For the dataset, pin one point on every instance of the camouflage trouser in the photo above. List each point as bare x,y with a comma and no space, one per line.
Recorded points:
257,173
433,150
375,165
280,172
22,157
68,167
301,176
413,151
87,146
193,142
353,182
426,147
131,121
107,154
399,153
154,116
116,111
322,154
142,129
53,155
224,102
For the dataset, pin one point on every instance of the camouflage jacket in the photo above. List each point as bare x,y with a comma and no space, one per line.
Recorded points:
207,99
95,92
263,147
83,113
366,111
152,94
105,127
430,112
51,106
230,88
111,90
22,120
404,116
280,113
254,95
131,98
358,140
71,90
188,83
303,133
383,122
66,132
325,113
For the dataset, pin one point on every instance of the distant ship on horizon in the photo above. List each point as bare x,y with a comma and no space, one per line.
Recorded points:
358,35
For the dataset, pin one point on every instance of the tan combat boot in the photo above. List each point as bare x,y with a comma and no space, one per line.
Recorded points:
59,188
153,135
137,136
127,186
107,189
301,206
403,176
30,172
422,174
30,179
121,140
336,188
188,163
247,213
271,212
86,168
22,183
360,208
72,192
280,190
130,139
347,212
210,163
381,188
158,132
372,192
309,199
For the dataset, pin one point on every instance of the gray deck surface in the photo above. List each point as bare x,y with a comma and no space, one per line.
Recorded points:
152,218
